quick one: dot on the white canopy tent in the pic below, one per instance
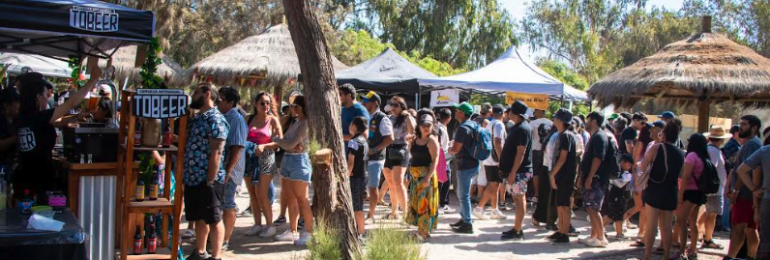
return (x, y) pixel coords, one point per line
(20, 63)
(510, 72)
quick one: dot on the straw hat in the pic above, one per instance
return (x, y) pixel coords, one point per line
(717, 132)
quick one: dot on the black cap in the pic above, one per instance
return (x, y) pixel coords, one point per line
(498, 109)
(348, 89)
(518, 108)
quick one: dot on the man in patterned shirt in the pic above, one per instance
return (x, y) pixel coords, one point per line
(204, 172)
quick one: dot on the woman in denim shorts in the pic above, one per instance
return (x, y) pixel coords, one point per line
(296, 173)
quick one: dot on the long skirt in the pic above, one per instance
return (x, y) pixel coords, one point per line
(423, 201)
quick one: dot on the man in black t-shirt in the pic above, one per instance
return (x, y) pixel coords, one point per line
(516, 165)
(562, 175)
(596, 159)
(629, 135)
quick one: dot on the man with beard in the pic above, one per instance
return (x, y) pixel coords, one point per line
(350, 109)
(380, 136)
(204, 172)
(744, 228)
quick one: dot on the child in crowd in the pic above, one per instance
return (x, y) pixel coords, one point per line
(616, 202)
(357, 151)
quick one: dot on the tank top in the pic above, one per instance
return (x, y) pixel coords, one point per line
(260, 135)
(420, 155)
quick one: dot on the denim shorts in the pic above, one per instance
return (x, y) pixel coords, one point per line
(296, 167)
(374, 170)
(228, 200)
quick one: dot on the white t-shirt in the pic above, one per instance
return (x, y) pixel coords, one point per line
(386, 126)
(548, 154)
(719, 162)
(536, 146)
(497, 130)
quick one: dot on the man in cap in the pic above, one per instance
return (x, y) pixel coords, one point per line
(468, 167)
(380, 136)
(562, 175)
(491, 170)
(350, 109)
(715, 202)
(516, 165)
(541, 126)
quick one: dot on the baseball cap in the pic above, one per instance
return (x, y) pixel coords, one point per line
(736, 128)
(564, 115)
(426, 119)
(518, 108)
(613, 116)
(659, 124)
(485, 108)
(667, 115)
(371, 96)
(498, 109)
(348, 89)
(465, 107)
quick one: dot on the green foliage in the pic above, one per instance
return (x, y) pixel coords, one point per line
(563, 73)
(481, 98)
(146, 166)
(74, 65)
(150, 66)
(389, 243)
(744, 21)
(325, 244)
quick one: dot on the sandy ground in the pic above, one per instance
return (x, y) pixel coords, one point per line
(485, 243)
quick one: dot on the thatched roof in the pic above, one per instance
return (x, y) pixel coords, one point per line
(123, 61)
(270, 53)
(705, 66)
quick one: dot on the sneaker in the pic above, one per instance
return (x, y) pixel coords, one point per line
(280, 220)
(254, 230)
(447, 209)
(246, 212)
(595, 243)
(692, 256)
(621, 237)
(561, 239)
(553, 236)
(303, 239)
(479, 214)
(516, 235)
(267, 232)
(197, 256)
(188, 234)
(497, 215)
(630, 225)
(212, 258)
(551, 227)
(512, 231)
(287, 236)
(573, 232)
(534, 199)
(465, 228)
(225, 246)
(457, 224)
(585, 241)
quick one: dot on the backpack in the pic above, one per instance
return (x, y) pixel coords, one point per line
(481, 147)
(709, 179)
(613, 155)
(544, 132)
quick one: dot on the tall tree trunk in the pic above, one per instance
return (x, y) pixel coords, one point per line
(332, 191)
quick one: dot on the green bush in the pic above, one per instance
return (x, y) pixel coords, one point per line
(324, 244)
(391, 243)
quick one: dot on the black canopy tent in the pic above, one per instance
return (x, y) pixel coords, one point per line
(388, 73)
(65, 28)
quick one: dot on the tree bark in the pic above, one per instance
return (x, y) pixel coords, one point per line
(332, 200)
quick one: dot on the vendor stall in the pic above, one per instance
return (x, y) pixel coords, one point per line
(387, 73)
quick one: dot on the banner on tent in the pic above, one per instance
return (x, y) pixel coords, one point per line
(534, 101)
(444, 98)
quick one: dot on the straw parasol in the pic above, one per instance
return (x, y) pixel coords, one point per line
(704, 69)
(268, 58)
(123, 61)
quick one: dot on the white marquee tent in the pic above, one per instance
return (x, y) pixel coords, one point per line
(49, 67)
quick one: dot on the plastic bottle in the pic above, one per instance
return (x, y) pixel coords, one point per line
(138, 241)
(139, 190)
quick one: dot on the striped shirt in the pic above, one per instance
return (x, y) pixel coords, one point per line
(236, 137)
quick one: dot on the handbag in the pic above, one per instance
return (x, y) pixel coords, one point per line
(644, 178)
(441, 167)
(396, 152)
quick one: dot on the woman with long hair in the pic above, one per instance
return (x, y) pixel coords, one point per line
(397, 155)
(263, 126)
(690, 197)
(647, 137)
(666, 160)
(422, 210)
(296, 173)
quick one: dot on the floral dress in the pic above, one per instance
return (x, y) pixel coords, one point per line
(422, 209)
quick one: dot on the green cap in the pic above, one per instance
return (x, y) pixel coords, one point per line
(613, 116)
(465, 107)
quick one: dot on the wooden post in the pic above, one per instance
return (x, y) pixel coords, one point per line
(323, 177)
(703, 115)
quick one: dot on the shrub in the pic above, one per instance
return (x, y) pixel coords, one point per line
(324, 244)
(391, 243)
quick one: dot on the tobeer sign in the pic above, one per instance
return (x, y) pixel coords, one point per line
(94, 19)
(159, 103)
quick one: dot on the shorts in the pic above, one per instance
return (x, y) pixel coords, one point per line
(481, 178)
(615, 203)
(390, 163)
(742, 212)
(563, 193)
(493, 174)
(695, 197)
(374, 171)
(519, 187)
(357, 193)
(203, 202)
(228, 200)
(264, 164)
(296, 167)
(715, 203)
(764, 236)
(593, 199)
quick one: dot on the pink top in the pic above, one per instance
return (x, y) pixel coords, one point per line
(697, 169)
(260, 135)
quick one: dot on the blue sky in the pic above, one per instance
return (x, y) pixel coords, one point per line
(517, 9)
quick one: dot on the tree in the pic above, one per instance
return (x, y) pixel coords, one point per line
(744, 21)
(322, 99)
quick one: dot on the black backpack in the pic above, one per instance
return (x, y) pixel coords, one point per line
(709, 179)
(613, 158)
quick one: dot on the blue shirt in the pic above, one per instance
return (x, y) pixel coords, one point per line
(209, 124)
(348, 113)
(236, 137)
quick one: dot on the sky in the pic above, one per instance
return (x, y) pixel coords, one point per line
(517, 9)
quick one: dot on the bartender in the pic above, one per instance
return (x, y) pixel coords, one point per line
(36, 133)
(9, 112)
(103, 110)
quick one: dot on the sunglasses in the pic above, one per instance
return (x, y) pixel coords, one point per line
(395, 105)
(264, 104)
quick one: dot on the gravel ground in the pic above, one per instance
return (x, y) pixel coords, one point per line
(445, 245)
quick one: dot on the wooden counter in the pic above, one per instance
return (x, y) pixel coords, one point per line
(77, 170)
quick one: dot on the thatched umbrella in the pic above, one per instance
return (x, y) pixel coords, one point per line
(704, 69)
(268, 58)
(124, 62)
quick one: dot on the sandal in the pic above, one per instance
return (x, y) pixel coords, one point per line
(659, 251)
(710, 244)
(637, 243)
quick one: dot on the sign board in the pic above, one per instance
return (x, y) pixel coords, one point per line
(444, 98)
(94, 19)
(534, 101)
(159, 103)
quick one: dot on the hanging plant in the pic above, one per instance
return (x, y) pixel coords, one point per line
(150, 66)
(74, 65)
